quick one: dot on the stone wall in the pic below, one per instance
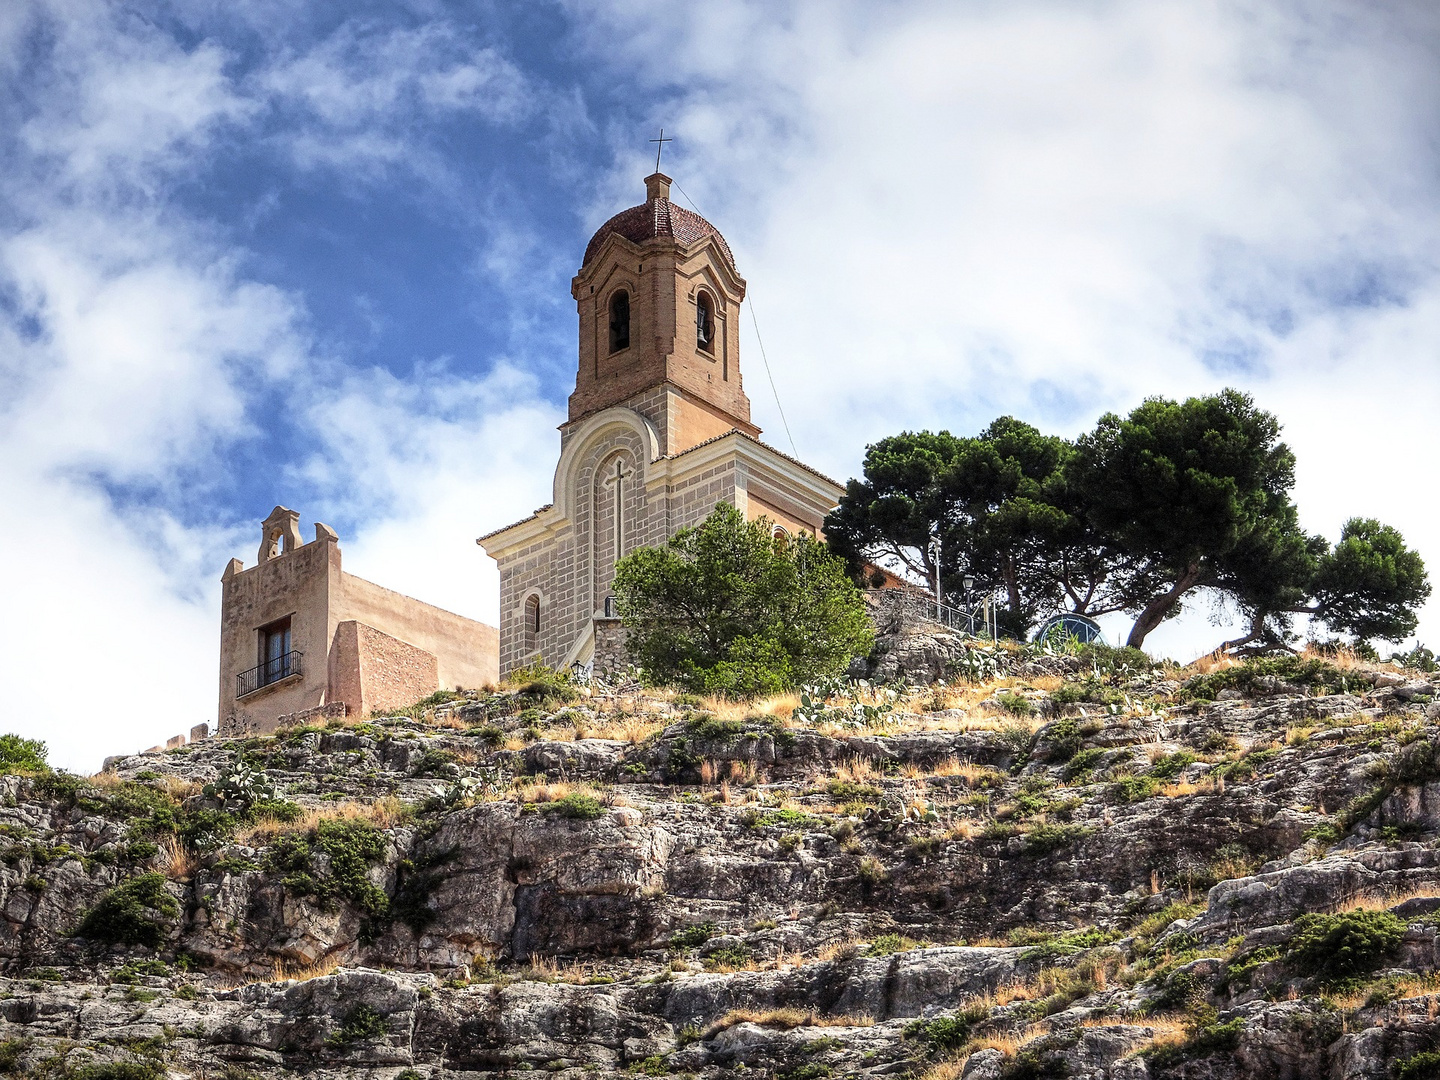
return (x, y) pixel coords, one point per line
(371, 670)
(570, 571)
(393, 649)
(610, 652)
(297, 584)
(466, 651)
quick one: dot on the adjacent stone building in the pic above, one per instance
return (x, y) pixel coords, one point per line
(301, 638)
(659, 432)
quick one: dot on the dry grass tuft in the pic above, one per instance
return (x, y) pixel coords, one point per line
(326, 965)
(630, 729)
(552, 791)
(785, 1019)
(950, 1069)
(1008, 1043)
(823, 955)
(383, 813)
(1382, 901)
(964, 829)
(1178, 789)
(1216, 661)
(180, 789)
(180, 862)
(857, 770)
(1165, 1030)
(548, 969)
(1341, 657)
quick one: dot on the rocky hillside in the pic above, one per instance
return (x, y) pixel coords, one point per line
(1074, 865)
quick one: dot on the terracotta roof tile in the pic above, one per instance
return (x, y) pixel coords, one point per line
(658, 218)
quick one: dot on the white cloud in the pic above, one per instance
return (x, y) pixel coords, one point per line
(429, 464)
(946, 211)
(135, 351)
(127, 345)
(367, 87)
(961, 210)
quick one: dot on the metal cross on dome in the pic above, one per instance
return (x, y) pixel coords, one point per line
(662, 140)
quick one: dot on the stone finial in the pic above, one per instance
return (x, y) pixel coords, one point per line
(325, 532)
(657, 186)
(282, 526)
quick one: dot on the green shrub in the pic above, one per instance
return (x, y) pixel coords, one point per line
(692, 937)
(351, 847)
(871, 872)
(132, 913)
(946, 1032)
(1070, 943)
(119, 1070)
(578, 806)
(1045, 838)
(1083, 762)
(1214, 1039)
(847, 791)
(1315, 673)
(1171, 765)
(1422, 1066)
(1063, 739)
(1090, 692)
(886, 944)
(11, 1050)
(543, 686)
(1247, 765)
(1131, 789)
(1123, 660)
(731, 956)
(1014, 703)
(363, 1024)
(724, 609)
(488, 734)
(1338, 947)
(19, 755)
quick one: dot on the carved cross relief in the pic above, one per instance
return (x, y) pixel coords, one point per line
(617, 481)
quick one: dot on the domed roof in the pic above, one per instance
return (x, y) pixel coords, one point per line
(656, 217)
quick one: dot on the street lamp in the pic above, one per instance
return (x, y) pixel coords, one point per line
(935, 558)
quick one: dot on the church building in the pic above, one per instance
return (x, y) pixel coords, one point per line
(659, 433)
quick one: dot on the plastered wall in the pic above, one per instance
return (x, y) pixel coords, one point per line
(361, 644)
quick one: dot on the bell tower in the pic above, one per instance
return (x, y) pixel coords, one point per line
(659, 300)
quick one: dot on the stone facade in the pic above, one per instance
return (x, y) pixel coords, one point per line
(659, 434)
(346, 644)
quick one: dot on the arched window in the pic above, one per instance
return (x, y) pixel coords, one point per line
(532, 614)
(780, 534)
(704, 322)
(620, 321)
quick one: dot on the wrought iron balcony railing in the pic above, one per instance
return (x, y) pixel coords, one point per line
(272, 671)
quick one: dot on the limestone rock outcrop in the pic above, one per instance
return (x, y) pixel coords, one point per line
(1060, 869)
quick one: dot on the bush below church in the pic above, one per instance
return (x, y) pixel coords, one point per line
(727, 608)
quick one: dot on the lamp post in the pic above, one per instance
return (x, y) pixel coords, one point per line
(935, 559)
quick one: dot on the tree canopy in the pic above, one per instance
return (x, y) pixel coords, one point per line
(727, 608)
(1134, 516)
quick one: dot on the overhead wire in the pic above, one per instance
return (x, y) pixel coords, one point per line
(765, 359)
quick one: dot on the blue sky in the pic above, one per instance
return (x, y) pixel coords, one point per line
(319, 254)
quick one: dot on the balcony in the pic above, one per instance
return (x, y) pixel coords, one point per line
(267, 674)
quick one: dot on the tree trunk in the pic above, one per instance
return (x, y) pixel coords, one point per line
(1257, 631)
(1153, 613)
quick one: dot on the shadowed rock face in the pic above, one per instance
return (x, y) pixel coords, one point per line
(1101, 888)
